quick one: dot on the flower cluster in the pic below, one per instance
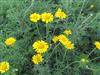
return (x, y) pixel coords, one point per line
(40, 47)
(4, 66)
(47, 17)
(64, 40)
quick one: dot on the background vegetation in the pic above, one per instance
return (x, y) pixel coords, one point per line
(84, 21)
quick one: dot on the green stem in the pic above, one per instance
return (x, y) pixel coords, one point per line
(90, 68)
(64, 56)
(80, 11)
(47, 31)
(87, 25)
(69, 65)
(95, 58)
(86, 19)
(91, 52)
(53, 50)
(38, 31)
(32, 2)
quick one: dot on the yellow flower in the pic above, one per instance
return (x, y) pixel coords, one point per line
(69, 45)
(36, 59)
(68, 32)
(47, 17)
(10, 41)
(34, 17)
(4, 66)
(97, 44)
(65, 41)
(55, 39)
(60, 14)
(62, 38)
(40, 46)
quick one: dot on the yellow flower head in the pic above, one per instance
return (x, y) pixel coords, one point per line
(4, 66)
(60, 14)
(55, 39)
(10, 41)
(36, 59)
(62, 38)
(69, 45)
(68, 32)
(97, 44)
(47, 17)
(34, 17)
(40, 46)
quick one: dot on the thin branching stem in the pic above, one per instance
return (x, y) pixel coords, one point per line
(70, 65)
(95, 58)
(91, 52)
(38, 31)
(54, 50)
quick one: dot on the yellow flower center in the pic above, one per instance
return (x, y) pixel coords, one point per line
(41, 46)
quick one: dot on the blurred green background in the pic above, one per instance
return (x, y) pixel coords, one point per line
(14, 21)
